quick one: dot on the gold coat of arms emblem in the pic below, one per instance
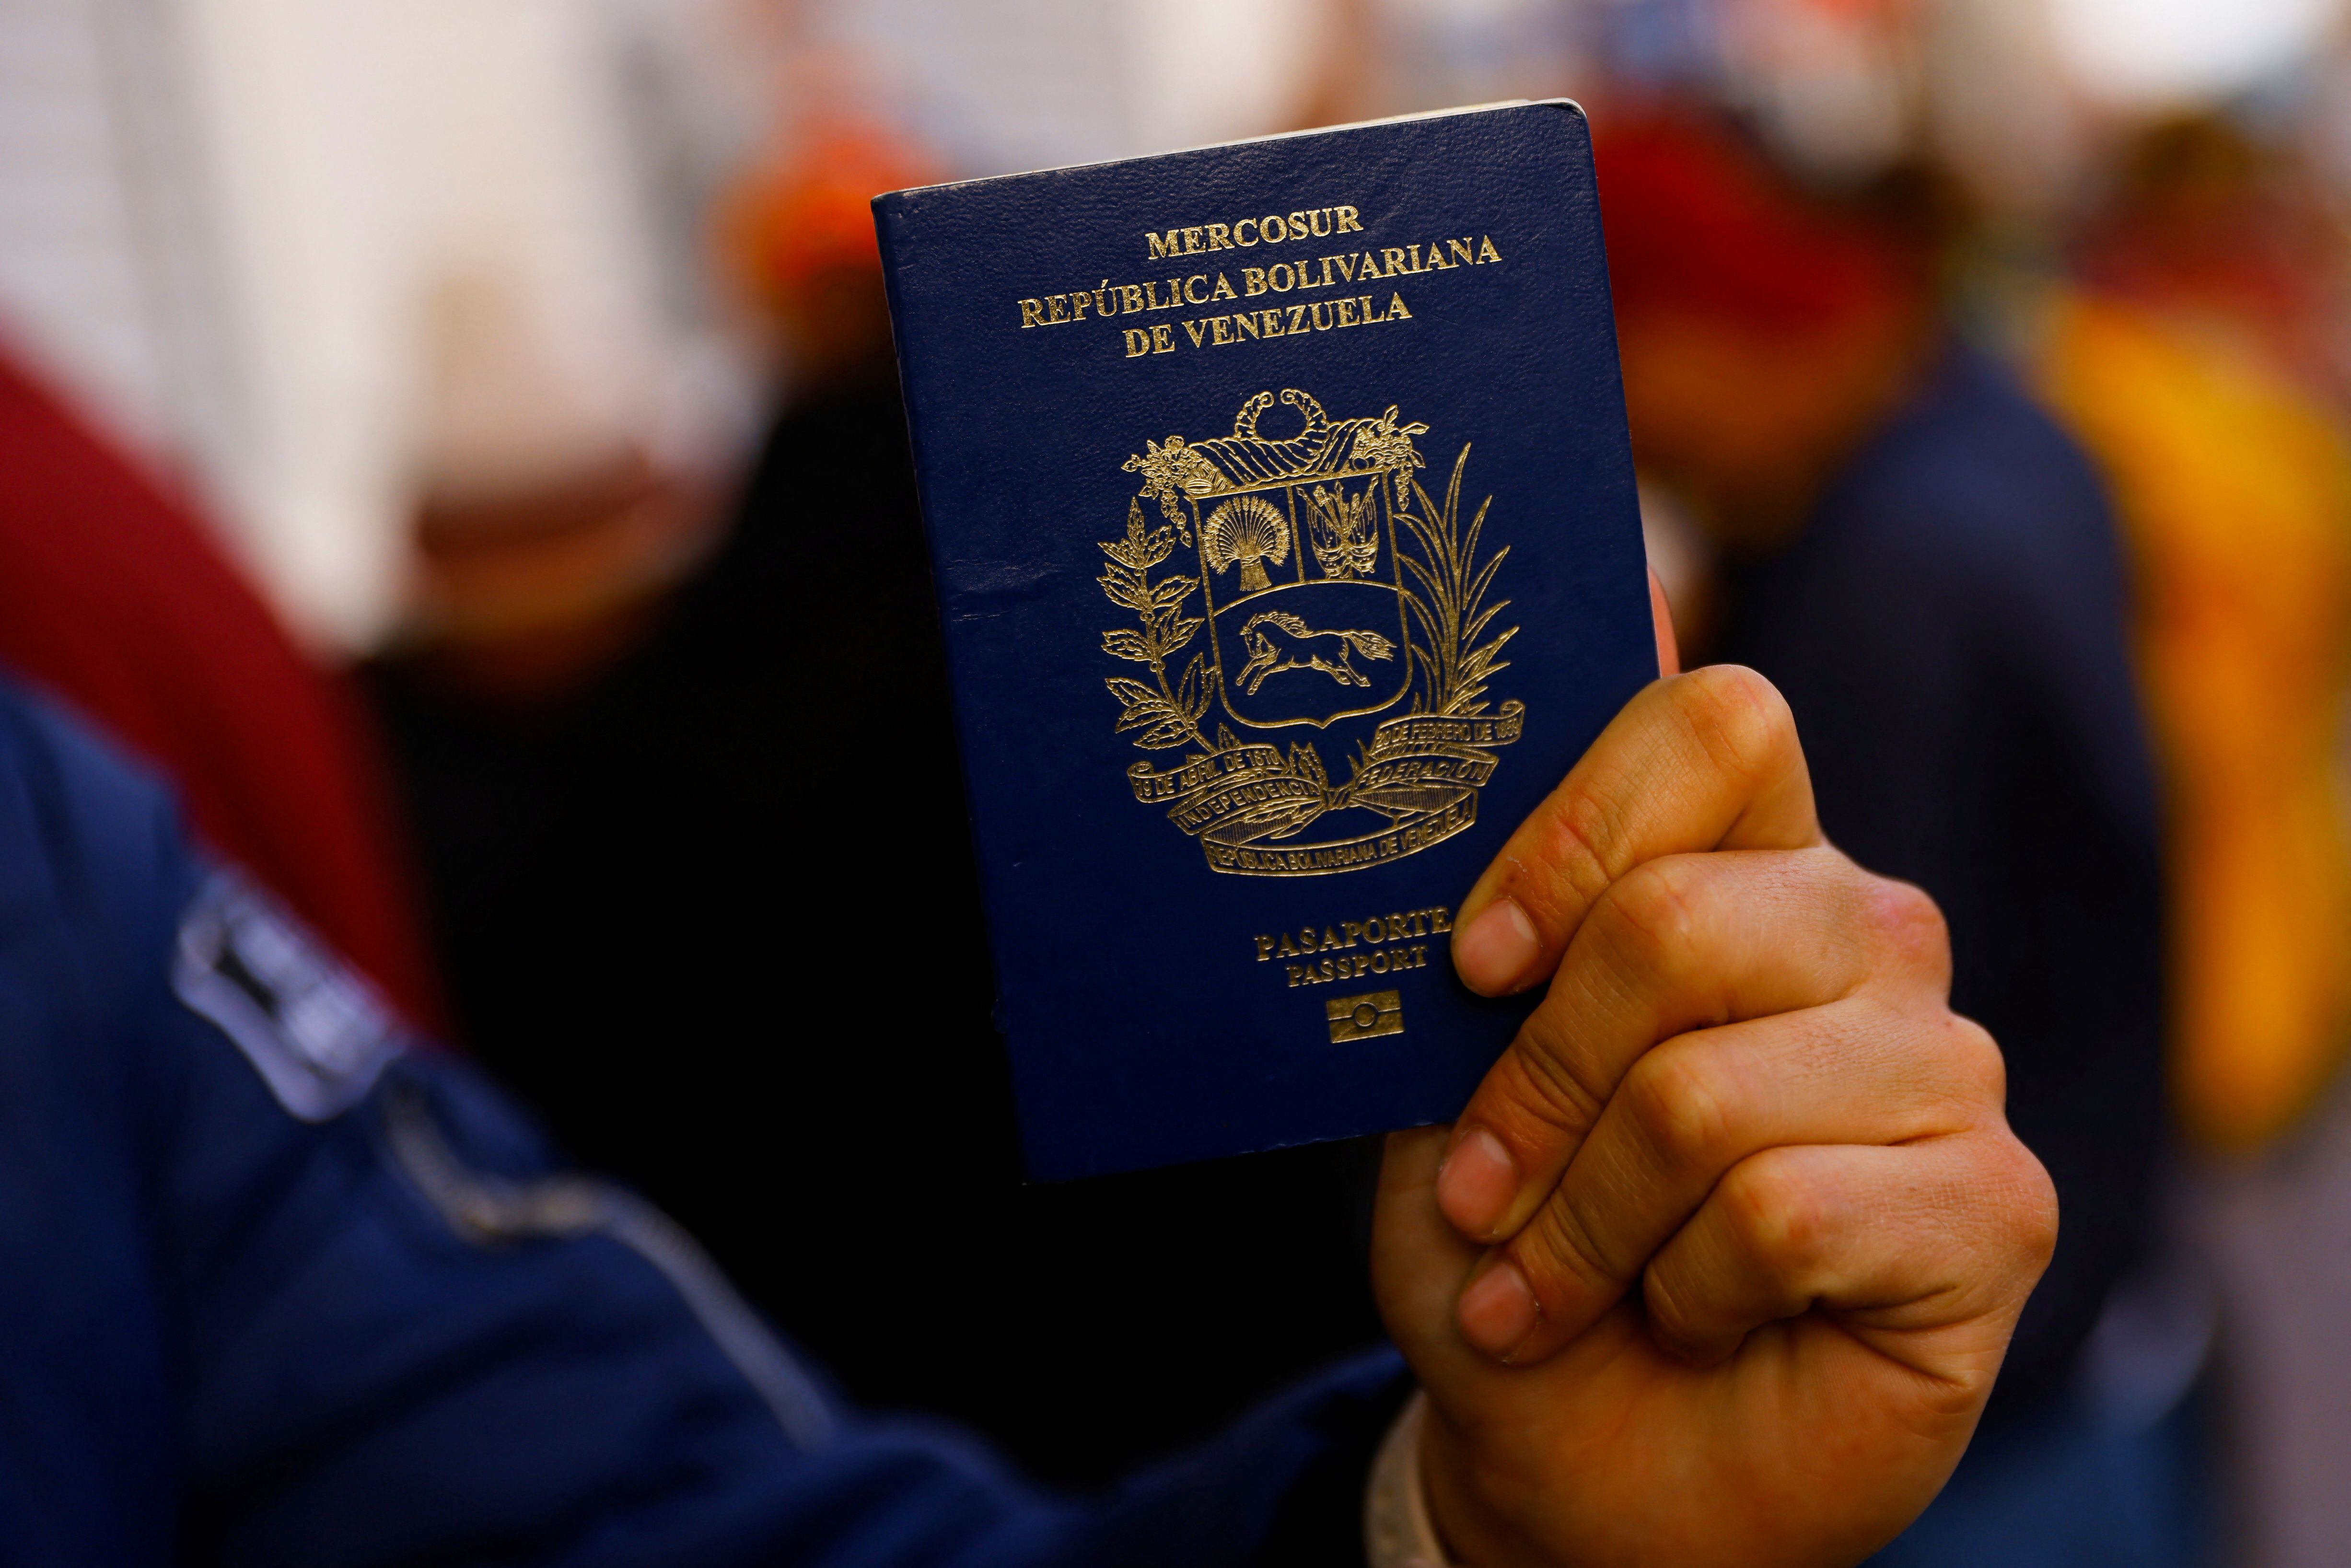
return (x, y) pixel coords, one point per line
(1299, 592)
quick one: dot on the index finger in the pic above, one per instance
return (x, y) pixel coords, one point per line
(1695, 763)
(1703, 761)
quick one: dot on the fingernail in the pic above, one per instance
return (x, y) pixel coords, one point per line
(1497, 1309)
(1475, 1184)
(1493, 953)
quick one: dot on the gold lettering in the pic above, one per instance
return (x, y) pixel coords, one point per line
(1138, 342)
(1245, 323)
(1374, 930)
(1440, 921)
(1297, 322)
(1391, 258)
(1253, 280)
(1331, 938)
(1369, 320)
(1370, 267)
(1272, 318)
(1191, 298)
(1397, 312)
(1298, 229)
(1486, 251)
(1379, 963)
(1297, 972)
(1151, 296)
(1130, 298)
(1264, 948)
(1244, 224)
(1079, 305)
(1057, 308)
(1274, 230)
(1220, 237)
(1196, 329)
(1321, 309)
(1420, 957)
(1223, 290)
(1321, 225)
(1171, 246)
(1347, 222)
(1306, 943)
(1102, 301)
(1193, 245)
(1033, 314)
(1437, 256)
(1163, 339)
(1221, 329)
(1286, 949)
(1462, 255)
(1280, 277)
(1349, 315)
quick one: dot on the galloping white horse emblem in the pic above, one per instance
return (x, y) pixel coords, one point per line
(1278, 640)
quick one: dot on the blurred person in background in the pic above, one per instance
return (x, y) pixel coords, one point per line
(1899, 538)
(2198, 351)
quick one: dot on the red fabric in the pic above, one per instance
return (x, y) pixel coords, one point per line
(113, 597)
(1697, 220)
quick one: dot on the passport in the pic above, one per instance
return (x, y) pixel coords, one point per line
(1282, 521)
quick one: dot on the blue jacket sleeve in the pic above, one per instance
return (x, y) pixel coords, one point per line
(279, 1289)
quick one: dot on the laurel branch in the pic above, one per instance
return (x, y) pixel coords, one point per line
(1450, 609)
(1169, 716)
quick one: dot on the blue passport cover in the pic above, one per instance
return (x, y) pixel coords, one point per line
(1284, 525)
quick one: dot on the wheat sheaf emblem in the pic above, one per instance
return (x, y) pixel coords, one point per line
(1307, 582)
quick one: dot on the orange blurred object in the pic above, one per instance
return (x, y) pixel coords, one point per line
(2233, 489)
(808, 209)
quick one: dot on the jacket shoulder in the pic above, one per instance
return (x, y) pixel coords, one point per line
(89, 842)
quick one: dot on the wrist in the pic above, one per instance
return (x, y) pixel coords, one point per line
(1470, 1526)
(1397, 1530)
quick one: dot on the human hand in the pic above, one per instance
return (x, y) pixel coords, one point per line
(1720, 1261)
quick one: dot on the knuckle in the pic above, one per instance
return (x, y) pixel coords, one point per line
(1738, 718)
(1976, 1057)
(1775, 1210)
(1654, 910)
(2035, 1207)
(1667, 1296)
(1560, 1257)
(1539, 1081)
(1571, 859)
(1680, 1106)
(1909, 925)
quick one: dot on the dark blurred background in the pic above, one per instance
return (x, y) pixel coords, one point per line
(516, 372)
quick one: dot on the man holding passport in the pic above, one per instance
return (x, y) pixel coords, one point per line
(1717, 1267)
